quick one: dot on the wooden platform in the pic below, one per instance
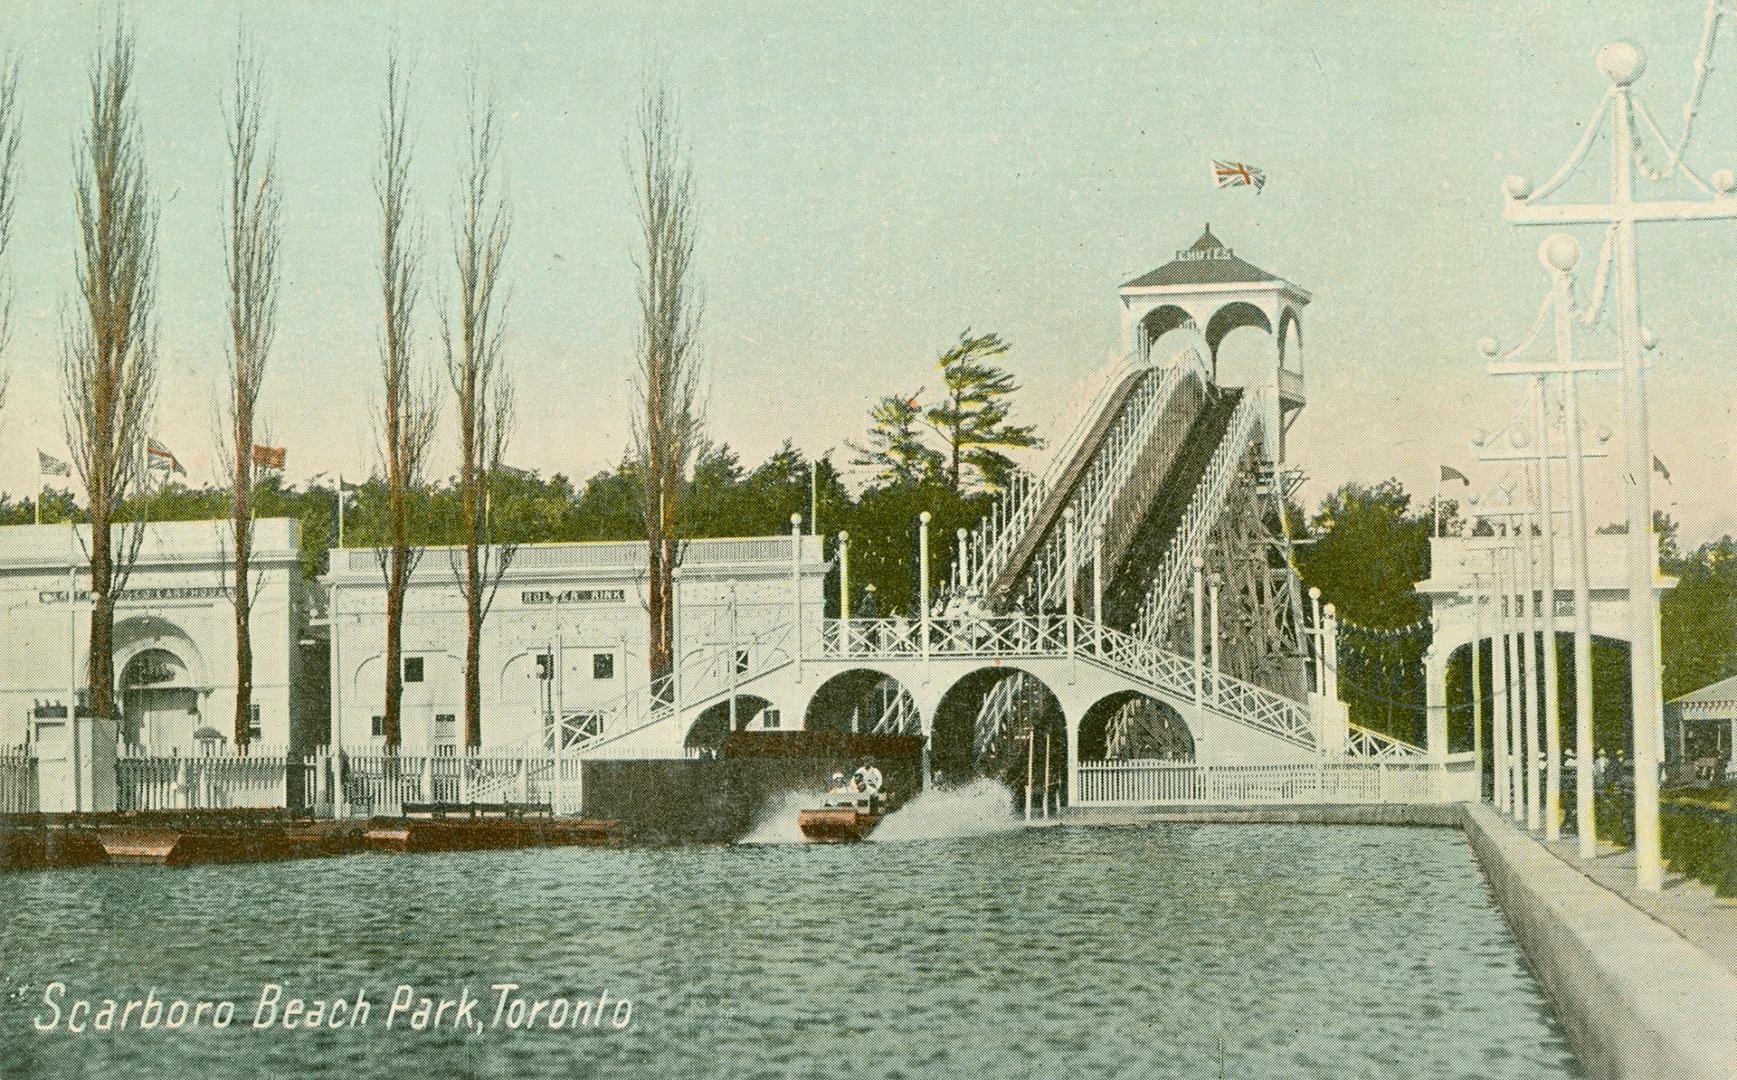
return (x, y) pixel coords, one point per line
(485, 826)
(191, 837)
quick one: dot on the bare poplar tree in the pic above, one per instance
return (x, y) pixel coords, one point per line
(9, 139)
(406, 420)
(109, 348)
(250, 250)
(667, 425)
(481, 383)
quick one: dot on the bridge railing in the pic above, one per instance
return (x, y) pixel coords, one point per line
(1203, 509)
(1092, 494)
(1335, 781)
(1056, 636)
(1155, 411)
(1364, 742)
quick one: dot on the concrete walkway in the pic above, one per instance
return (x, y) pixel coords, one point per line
(1687, 907)
(1637, 997)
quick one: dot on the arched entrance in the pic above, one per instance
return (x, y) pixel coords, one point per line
(1612, 733)
(863, 701)
(707, 732)
(996, 722)
(159, 704)
(1133, 726)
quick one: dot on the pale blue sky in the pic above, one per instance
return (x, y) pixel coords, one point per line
(874, 179)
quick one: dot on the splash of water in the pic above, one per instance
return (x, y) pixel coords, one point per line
(776, 821)
(975, 809)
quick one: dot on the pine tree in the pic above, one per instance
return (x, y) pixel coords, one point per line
(895, 449)
(973, 418)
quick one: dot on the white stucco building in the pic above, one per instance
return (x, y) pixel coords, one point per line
(567, 630)
(174, 636)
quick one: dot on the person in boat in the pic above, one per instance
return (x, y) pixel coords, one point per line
(867, 780)
(838, 786)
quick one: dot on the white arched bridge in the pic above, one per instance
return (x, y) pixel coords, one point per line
(1135, 606)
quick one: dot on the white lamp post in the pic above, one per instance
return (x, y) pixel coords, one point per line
(1622, 63)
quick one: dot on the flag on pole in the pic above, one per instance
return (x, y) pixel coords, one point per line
(161, 458)
(1448, 472)
(49, 465)
(345, 485)
(269, 457)
(1659, 467)
(516, 474)
(1237, 174)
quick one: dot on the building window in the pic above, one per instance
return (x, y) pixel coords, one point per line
(545, 666)
(253, 728)
(378, 727)
(741, 661)
(413, 669)
(769, 718)
(603, 665)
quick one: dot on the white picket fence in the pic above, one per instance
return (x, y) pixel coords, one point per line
(324, 783)
(260, 778)
(1159, 783)
(364, 784)
(19, 792)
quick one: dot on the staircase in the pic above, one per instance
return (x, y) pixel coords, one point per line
(1125, 591)
(1114, 459)
(1189, 534)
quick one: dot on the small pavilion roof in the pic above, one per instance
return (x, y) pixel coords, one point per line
(1206, 262)
(1716, 701)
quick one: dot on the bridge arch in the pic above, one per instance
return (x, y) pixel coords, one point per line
(981, 722)
(1129, 724)
(1611, 730)
(860, 700)
(708, 728)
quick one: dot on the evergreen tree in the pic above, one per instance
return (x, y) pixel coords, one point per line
(895, 449)
(973, 417)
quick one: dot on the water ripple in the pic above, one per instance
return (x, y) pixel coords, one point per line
(1177, 950)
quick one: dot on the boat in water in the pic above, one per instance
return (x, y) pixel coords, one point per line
(843, 817)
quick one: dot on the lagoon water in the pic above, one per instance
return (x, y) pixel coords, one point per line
(1157, 951)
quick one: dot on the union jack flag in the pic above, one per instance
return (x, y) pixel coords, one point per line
(1237, 174)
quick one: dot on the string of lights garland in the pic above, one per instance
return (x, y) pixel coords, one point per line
(1691, 107)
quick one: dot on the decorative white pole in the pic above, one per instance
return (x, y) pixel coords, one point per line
(962, 565)
(735, 665)
(1531, 795)
(1562, 252)
(1070, 570)
(1552, 674)
(1213, 635)
(1318, 639)
(1331, 628)
(796, 589)
(844, 592)
(1199, 635)
(1516, 697)
(675, 592)
(1478, 686)
(1098, 589)
(1622, 64)
(923, 586)
(1498, 686)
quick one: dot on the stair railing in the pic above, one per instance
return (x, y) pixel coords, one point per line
(1189, 541)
